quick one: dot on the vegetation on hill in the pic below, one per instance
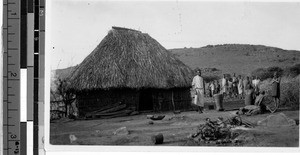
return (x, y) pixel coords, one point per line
(265, 73)
(237, 58)
(65, 72)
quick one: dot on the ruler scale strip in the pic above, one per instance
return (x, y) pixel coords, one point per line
(36, 80)
(30, 70)
(23, 79)
(41, 75)
(11, 79)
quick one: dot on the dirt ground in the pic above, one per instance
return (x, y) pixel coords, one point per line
(175, 129)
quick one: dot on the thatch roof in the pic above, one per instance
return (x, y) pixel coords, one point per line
(130, 59)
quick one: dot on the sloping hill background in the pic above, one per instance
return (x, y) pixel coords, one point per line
(237, 58)
(60, 74)
(227, 59)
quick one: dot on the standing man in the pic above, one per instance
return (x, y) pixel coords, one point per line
(235, 85)
(198, 86)
(256, 85)
(229, 88)
(245, 84)
(252, 80)
(224, 84)
(276, 90)
(212, 88)
(240, 87)
(217, 89)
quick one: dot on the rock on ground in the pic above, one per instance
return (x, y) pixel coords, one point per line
(277, 121)
(121, 131)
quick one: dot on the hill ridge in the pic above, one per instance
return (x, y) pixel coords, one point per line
(236, 58)
(244, 58)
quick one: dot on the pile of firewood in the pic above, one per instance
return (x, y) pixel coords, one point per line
(219, 131)
(111, 111)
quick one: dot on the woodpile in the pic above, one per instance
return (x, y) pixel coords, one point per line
(219, 131)
(112, 111)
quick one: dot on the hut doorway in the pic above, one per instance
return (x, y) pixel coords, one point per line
(145, 100)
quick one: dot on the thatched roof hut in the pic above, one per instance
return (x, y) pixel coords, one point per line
(128, 58)
(130, 66)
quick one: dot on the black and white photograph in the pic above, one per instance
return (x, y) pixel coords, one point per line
(174, 73)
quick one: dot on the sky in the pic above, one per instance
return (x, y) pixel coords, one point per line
(78, 26)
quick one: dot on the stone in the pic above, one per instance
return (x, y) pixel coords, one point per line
(121, 131)
(72, 138)
(157, 139)
(278, 120)
(149, 116)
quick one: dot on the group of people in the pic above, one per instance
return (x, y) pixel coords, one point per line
(234, 86)
(237, 86)
(231, 87)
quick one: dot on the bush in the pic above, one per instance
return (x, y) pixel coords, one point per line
(209, 46)
(289, 91)
(265, 73)
(272, 70)
(262, 73)
(292, 71)
(210, 78)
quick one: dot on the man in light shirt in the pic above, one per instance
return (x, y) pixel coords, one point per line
(198, 86)
(256, 82)
(212, 88)
(224, 84)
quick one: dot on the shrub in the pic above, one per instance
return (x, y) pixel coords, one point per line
(272, 70)
(289, 91)
(265, 73)
(214, 69)
(262, 73)
(292, 71)
(210, 78)
(209, 46)
(247, 54)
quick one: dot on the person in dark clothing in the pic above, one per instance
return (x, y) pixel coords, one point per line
(276, 89)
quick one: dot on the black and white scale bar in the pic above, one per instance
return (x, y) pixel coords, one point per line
(23, 78)
(36, 80)
(30, 72)
(23, 56)
(23, 140)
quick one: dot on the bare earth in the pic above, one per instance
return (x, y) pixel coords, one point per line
(175, 129)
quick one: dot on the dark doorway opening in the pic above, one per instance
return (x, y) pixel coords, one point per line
(145, 101)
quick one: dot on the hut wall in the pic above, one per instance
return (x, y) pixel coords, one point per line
(181, 98)
(162, 99)
(94, 100)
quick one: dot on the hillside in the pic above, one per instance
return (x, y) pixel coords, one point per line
(228, 58)
(60, 73)
(236, 58)
(63, 73)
